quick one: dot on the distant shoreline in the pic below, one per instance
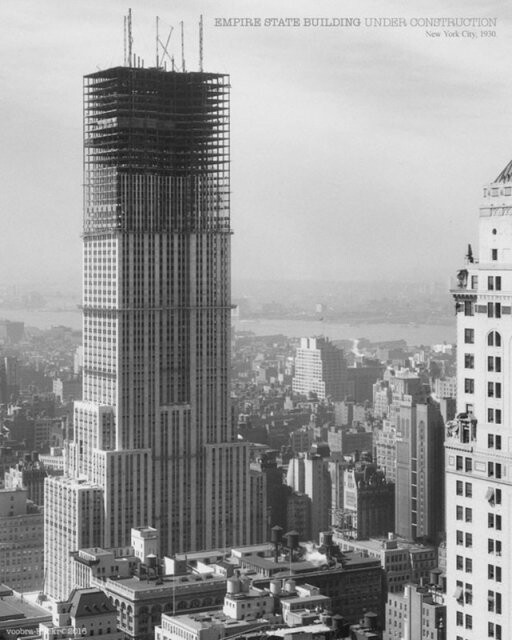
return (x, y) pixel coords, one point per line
(44, 318)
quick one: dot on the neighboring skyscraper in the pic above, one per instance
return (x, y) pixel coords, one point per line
(419, 471)
(320, 368)
(478, 444)
(409, 448)
(276, 491)
(9, 378)
(368, 502)
(298, 514)
(153, 436)
(445, 387)
(360, 379)
(385, 449)
(309, 474)
(419, 612)
(258, 525)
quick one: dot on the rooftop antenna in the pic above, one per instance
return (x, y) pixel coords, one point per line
(124, 40)
(130, 39)
(201, 42)
(182, 47)
(157, 40)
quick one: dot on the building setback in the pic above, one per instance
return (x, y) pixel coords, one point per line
(154, 431)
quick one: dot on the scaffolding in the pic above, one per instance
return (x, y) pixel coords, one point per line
(156, 151)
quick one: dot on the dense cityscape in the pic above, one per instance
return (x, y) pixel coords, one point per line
(328, 463)
(170, 470)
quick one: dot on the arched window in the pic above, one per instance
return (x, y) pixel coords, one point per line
(494, 339)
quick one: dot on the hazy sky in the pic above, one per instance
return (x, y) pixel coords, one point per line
(357, 153)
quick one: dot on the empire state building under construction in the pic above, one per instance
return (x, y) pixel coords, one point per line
(153, 441)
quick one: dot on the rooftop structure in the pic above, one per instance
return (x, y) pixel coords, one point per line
(19, 615)
(402, 560)
(246, 581)
(88, 612)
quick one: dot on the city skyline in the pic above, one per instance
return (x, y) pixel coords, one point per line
(175, 435)
(352, 128)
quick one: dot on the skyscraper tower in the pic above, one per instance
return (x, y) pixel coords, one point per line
(478, 443)
(153, 440)
(320, 368)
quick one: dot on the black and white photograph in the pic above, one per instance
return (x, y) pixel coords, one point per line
(255, 320)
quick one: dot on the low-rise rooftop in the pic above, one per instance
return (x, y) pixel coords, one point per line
(18, 610)
(134, 587)
(308, 629)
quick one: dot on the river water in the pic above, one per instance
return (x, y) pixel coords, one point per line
(413, 334)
